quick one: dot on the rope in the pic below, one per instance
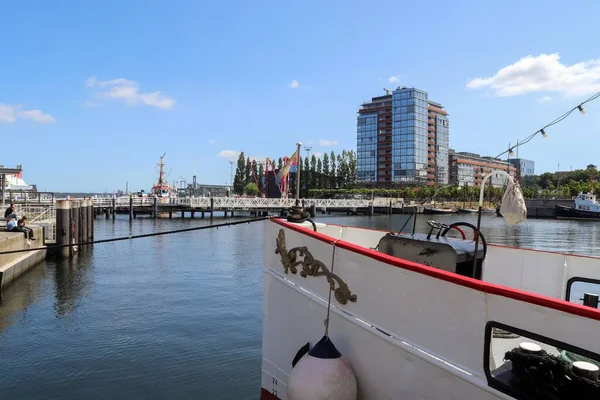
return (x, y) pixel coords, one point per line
(331, 286)
(198, 228)
(298, 215)
(549, 376)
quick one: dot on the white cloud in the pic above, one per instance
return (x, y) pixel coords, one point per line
(295, 84)
(10, 113)
(228, 154)
(543, 73)
(7, 113)
(324, 143)
(128, 91)
(394, 79)
(212, 141)
(545, 99)
(37, 116)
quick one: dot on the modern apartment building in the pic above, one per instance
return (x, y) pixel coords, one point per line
(402, 139)
(468, 169)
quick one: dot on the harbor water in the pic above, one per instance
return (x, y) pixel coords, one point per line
(175, 316)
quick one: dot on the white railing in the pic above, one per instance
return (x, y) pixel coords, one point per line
(245, 202)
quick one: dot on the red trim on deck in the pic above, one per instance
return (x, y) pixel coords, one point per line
(489, 244)
(486, 287)
(266, 395)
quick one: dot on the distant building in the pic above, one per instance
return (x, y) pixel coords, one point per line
(200, 190)
(524, 167)
(402, 138)
(468, 169)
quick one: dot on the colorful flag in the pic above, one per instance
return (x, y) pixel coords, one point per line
(293, 160)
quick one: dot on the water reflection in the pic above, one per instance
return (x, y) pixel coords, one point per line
(71, 280)
(20, 295)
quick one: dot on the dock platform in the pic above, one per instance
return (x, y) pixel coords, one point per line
(13, 265)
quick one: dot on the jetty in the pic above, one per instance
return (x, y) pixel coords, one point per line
(156, 206)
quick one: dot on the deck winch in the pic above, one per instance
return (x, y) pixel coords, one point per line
(437, 250)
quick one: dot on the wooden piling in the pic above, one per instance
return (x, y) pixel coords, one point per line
(131, 207)
(90, 232)
(114, 207)
(313, 210)
(155, 213)
(83, 212)
(212, 207)
(75, 225)
(63, 226)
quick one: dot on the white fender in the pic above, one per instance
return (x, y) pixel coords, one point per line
(322, 374)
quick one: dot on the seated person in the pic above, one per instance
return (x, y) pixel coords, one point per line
(13, 226)
(10, 210)
(26, 230)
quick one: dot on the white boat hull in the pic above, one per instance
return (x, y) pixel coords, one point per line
(414, 332)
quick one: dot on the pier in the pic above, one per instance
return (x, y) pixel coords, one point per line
(155, 206)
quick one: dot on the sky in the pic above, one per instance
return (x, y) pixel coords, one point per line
(92, 93)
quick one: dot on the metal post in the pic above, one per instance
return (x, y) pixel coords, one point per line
(83, 212)
(63, 226)
(130, 207)
(114, 207)
(155, 213)
(212, 207)
(75, 225)
(90, 225)
(298, 168)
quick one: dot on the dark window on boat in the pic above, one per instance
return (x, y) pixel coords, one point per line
(584, 291)
(528, 366)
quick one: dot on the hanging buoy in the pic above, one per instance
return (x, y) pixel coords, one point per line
(322, 374)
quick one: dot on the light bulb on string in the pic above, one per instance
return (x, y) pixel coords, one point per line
(581, 110)
(543, 133)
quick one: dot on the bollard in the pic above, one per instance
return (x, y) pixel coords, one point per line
(83, 212)
(63, 226)
(75, 205)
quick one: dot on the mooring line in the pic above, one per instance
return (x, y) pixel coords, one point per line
(130, 237)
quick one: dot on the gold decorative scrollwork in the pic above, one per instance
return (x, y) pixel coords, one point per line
(300, 256)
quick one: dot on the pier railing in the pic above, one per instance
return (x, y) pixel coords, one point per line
(244, 203)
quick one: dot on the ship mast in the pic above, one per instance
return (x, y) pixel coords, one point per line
(160, 174)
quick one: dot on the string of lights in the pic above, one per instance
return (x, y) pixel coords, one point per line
(542, 130)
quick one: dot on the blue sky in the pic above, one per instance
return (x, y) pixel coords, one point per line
(92, 93)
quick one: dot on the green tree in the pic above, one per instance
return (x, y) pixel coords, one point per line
(240, 173)
(261, 177)
(325, 176)
(248, 172)
(280, 163)
(313, 172)
(332, 171)
(319, 175)
(251, 189)
(305, 176)
(351, 169)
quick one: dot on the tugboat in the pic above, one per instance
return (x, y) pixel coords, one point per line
(161, 188)
(586, 207)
